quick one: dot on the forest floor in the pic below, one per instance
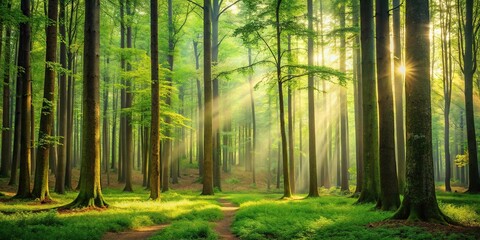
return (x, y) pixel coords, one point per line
(241, 211)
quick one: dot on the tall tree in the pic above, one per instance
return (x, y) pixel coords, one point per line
(155, 121)
(389, 196)
(90, 194)
(469, 68)
(23, 75)
(419, 202)
(357, 84)
(447, 79)
(312, 153)
(343, 105)
(208, 111)
(398, 92)
(6, 121)
(128, 104)
(40, 187)
(370, 187)
(60, 176)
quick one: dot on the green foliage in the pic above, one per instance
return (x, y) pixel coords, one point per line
(461, 160)
(196, 229)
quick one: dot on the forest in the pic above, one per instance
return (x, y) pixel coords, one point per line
(239, 119)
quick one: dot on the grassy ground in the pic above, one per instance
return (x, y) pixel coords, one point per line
(127, 211)
(261, 215)
(337, 217)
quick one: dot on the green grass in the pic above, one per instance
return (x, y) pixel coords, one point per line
(126, 211)
(196, 229)
(336, 217)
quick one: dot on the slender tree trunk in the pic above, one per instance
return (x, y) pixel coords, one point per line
(358, 101)
(312, 151)
(62, 121)
(216, 97)
(24, 76)
(287, 192)
(208, 111)
(370, 187)
(291, 148)
(6, 121)
(155, 119)
(343, 106)
(389, 195)
(40, 187)
(129, 153)
(469, 69)
(398, 92)
(254, 122)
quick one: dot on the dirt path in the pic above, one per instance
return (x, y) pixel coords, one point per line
(222, 227)
(140, 233)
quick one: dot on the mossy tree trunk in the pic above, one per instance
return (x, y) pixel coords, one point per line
(419, 202)
(370, 187)
(90, 194)
(40, 187)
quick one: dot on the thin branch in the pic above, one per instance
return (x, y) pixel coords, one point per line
(196, 4)
(268, 46)
(227, 7)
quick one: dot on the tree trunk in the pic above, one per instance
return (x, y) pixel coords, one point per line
(208, 112)
(155, 119)
(129, 153)
(370, 187)
(469, 69)
(216, 98)
(398, 92)
(6, 121)
(291, 148)
(24, 76)
(40, 187)
(419, 202)
(254, 123)
(90, 194)
(62, 121)
(343, 105)
(312, 152)
(389, 195)
(287, 192)
(358, 101)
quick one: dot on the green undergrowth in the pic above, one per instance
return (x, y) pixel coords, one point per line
(337, 217)
(126, 211)
(196, 229)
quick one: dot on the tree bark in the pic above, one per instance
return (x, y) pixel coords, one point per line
(419, 202)
(155, 119)
(90, 194)
(399, 92)
(312, 152)
(6, 121)
(208, 111)
(389, 195)
(40, 187)
(24, 76)
(370, 187)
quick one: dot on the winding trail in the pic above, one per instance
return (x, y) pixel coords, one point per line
(222, 227)
(140, 233)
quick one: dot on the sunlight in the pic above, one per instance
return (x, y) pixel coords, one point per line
(402, 69)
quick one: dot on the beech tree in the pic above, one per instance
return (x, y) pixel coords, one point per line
(419, 202)
(90, 194)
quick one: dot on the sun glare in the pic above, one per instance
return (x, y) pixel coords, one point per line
(402, 69)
